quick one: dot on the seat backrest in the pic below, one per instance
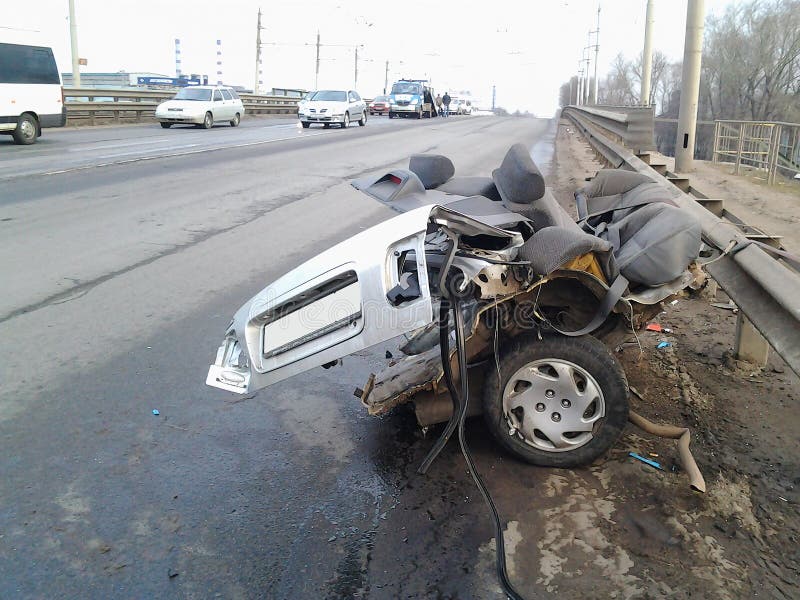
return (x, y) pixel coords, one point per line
(654, 244)
(544, 212)
(471, 186)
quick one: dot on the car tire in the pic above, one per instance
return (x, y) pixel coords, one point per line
(166, 125)
(346, 121)
(391, 115)
(363, 120)
(557, 401)
(27, 130)
(236, 120)
(208, 121)
(326, 125)
(305, 124)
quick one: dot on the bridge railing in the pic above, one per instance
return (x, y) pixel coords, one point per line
(768, 145)
(94, 106)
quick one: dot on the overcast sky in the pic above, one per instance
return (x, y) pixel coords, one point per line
(525, 48)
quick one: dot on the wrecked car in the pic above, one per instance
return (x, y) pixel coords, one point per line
(491, 269)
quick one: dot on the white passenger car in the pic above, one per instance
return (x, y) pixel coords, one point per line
(333, 106)
(31, 96)
(201, 105)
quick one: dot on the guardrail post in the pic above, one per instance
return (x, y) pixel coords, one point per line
(750, 344)
(714, 152)
(775, 144)
(739, 147)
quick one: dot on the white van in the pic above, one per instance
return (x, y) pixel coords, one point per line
(31, 96)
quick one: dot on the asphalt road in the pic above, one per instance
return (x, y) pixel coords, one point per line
(123, 254)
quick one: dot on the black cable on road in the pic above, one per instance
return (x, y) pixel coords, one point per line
(502, 572)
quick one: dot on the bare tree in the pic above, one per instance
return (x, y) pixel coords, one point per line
(752, 62)
(618, 87)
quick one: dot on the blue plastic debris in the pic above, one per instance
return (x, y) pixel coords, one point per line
(663, 345)
(646, 461)
(155, 412)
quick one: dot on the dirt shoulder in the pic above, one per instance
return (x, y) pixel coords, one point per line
(775, 209)
(622, 529)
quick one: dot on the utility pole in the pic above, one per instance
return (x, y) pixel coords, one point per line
(690, 86)
(588, 50)
(494, 96)
(386, 78)
(258, 53)
(355, 76)
(316, 72)
(73, 38)
(596, 52)
(647, 53)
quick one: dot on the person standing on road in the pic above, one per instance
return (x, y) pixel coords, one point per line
(446, 102)
(439, 104)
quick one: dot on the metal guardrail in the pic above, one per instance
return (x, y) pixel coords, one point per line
(768, 145)
(95, 106)
(631, 125)
(766, 290)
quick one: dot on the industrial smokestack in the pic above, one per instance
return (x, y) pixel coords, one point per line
(177, 58)
(219, 62)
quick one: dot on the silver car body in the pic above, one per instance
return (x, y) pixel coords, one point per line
(336, 303)
(223, 104)
(314, 110)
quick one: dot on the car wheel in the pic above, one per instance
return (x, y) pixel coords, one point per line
(208, 121)
(305, 124)
(556, 402)
(391, 115)
(363, 120)
(166, 125)
(326, 125)
(346, 121)
(26, 131)
(236, 119)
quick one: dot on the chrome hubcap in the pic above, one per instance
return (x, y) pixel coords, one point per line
(27, 129)
(553, 405)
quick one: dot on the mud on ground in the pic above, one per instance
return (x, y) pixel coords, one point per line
(622, 529)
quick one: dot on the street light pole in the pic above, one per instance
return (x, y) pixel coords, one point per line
(386, 78)
(647, 54)
(73, 39)
(355, 76)
(690, 86)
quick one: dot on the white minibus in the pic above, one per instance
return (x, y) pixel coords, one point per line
(31, 96)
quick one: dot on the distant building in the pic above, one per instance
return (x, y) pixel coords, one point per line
(121, 79)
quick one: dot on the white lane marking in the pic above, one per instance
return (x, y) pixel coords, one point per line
(201, 150)
(170, 148)
(86, 148)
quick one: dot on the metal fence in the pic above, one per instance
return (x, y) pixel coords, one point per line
(770, 146)
(96, 106)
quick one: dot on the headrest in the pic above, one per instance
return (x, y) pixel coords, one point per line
(432, 169)
(518, 179)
